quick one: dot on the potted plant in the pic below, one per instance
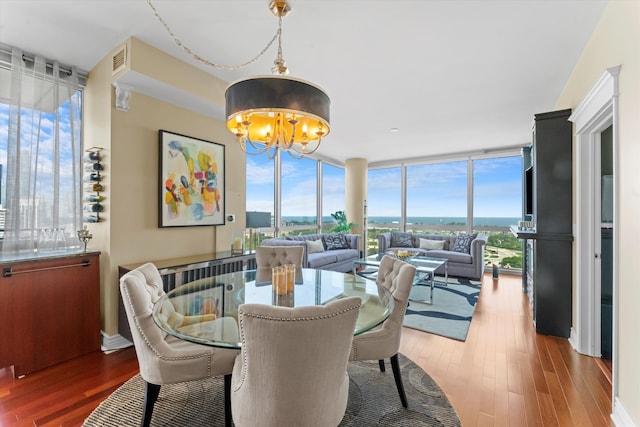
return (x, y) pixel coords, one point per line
(342, 225)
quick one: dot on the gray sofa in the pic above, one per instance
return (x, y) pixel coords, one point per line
(335, 260)
(460, 264)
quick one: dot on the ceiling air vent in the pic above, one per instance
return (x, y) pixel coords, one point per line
(120, 59)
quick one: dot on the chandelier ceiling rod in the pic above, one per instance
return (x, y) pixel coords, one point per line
(202, 59)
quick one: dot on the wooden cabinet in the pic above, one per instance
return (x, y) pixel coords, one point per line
(50, 310)
(551, 254)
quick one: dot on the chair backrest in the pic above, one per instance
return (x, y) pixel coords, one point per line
(268, 257)
(140, 289)
(164, 359)
(292, 369)
(397, 276)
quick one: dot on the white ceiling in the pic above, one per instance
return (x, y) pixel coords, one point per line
(453, 76)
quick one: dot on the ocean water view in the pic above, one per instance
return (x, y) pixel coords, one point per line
(446, 220)
(417, 220)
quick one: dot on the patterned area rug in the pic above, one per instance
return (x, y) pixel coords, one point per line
(452, 309)
(373, 401)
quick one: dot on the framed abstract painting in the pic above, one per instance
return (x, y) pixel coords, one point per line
(191, 181)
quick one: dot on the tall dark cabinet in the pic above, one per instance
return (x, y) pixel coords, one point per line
(548, 278)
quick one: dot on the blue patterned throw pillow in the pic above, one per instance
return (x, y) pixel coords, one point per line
(401, 240)
(463, 243)
(335, 241)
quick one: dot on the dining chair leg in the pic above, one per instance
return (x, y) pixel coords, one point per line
(227, 400)
(151, 392)
(396, 374)
(381, 363)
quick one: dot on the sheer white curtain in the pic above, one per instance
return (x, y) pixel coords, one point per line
(42, 115)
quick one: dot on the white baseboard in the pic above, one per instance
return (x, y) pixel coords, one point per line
(620, 417)
(573, 340)
(111, 343)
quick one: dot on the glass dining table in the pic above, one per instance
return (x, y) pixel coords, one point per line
(205, 311)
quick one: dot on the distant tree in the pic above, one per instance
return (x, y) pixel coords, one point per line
(512, 262)
(504, 240)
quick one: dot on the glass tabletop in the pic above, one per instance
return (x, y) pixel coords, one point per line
(428, 262)
(205, 311)
(423, 263)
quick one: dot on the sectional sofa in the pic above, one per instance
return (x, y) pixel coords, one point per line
(327, 251)
(465, 252)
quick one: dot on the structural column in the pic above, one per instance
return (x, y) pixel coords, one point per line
(355, 194)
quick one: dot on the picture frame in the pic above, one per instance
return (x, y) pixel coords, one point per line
(191, 181)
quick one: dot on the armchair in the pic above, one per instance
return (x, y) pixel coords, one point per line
(384, 340)
(292, 369)
(164, 359)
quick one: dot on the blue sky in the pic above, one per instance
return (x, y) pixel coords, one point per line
(37, 131)
(432, 190)
(298, 186)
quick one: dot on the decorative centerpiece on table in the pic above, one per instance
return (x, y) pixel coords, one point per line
(402, 254)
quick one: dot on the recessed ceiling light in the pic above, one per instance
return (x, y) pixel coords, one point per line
(394, 130)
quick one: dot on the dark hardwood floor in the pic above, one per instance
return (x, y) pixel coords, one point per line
(65, 394)
(504, 374)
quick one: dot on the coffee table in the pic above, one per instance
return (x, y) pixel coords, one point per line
(425, 270)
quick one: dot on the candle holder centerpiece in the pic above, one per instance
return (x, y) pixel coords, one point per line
(84, 236)
(237, 242)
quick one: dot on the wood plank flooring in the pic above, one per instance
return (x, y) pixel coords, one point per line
(63, 395)
(504, 374)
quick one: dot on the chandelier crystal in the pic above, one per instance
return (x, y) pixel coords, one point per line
(277, 112)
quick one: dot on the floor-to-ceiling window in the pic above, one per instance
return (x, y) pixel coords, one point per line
(384, 204)
(476, 194)
(332, 194)
(40, 153)
(260, 185)
(479, 195)
(437, 198)
(497, 205)
(298, 202)
(296, 192)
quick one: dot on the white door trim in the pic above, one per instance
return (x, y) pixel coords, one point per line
(598, 111)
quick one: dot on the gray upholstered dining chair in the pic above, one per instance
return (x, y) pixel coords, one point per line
(268, 257)
(164, 359)
(384, 341)
(292, 369)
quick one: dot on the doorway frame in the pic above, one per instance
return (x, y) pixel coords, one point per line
(596, 112)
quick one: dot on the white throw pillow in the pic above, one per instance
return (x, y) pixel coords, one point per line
(431, 244)
(315, 246)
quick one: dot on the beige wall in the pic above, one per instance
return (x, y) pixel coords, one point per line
(97, 133)
(616, 41)
(355, 177)
(166, 68)
(130, 232)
